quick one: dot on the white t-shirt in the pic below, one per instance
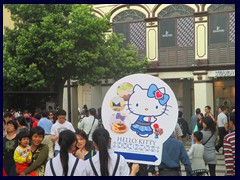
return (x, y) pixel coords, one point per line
(221, 119)
(57, 166)
(122, 170)
(86, 125)
(57, 128)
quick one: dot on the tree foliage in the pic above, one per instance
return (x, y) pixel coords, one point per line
(51, 43)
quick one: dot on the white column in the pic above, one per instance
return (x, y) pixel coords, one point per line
(152, 39)
(203, 91)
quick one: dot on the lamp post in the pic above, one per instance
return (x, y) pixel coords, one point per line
(69, 100)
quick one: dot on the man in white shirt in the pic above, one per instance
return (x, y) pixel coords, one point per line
(222, 127)
(60, 125)
(89, 124)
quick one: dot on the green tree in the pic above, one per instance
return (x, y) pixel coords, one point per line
(51, 43)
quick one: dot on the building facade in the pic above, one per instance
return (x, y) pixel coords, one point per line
(190, 46)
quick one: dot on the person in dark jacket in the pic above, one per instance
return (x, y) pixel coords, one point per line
(184, 126)
(172, 154)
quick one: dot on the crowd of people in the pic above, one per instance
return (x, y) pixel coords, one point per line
(46, 144)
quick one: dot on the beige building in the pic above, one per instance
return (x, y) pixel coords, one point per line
(190, 46)
(7, 19)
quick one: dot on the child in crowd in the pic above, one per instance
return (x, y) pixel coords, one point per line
(22, 154)
(196, 152)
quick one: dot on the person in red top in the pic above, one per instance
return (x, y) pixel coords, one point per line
(4, 172)
(229, 148)
(37, 117)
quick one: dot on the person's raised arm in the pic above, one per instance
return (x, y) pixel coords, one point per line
(135, 169)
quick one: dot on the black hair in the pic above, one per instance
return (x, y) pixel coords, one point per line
(22, 121)
(61, 112)
(93, 112)
(208, 107)
(232, 117)
(66, 139)
(83, 134)
(101, 137)
(14, 123)
(201, 114)
(198, 111)
(198, 135)
(210, 124)
(23, 134)
(180, 114)
(49, 112)
(7, 114)
(38, 116)
(223, 108)
(44, 113)
(85, 107)
(37, 130)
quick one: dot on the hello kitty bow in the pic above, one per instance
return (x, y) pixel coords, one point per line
(159, 94)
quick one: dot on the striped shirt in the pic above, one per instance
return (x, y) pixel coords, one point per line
(229, 153)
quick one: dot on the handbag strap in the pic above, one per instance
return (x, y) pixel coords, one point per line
(91, 126)
(208, 138)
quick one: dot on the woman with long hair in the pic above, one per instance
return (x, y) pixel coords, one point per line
(106, 162)
(199, 125)
(83, 150)
(209, 141)
(65, 163)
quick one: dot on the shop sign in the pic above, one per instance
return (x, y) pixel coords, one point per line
(218, 29)
(224, 73)
(167, 34)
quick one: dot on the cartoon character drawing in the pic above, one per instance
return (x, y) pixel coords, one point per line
(124, 90)
(117, 103)
(147, 104)
(119, 122)
(157, 131)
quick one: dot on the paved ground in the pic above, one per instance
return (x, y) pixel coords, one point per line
(220, 168)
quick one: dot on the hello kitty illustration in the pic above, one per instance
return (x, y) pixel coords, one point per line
(147, 104)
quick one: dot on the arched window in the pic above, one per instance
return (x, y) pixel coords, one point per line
(174, 29)
(131, 23)
(221, 26)
(222, 23)
(176, 11)
(221, 7)
(176, 36)
(129, 16)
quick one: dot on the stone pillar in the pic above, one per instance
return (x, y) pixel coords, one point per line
(203, 85)
(187, 100)
(201, 38)
(152, 40)
(203, 90)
